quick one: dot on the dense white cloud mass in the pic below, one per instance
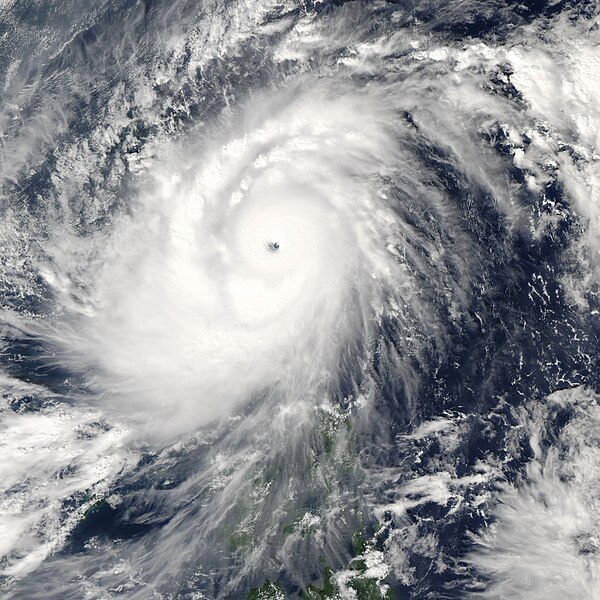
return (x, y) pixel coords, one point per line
(299, 294)
(544, 542)
(246, 266)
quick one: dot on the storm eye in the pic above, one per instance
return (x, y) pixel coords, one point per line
(273, 246)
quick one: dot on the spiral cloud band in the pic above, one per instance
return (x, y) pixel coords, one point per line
(237, 272)
(299, 300)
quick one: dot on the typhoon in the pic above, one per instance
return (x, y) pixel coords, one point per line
(299, 300)
(247, 269)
